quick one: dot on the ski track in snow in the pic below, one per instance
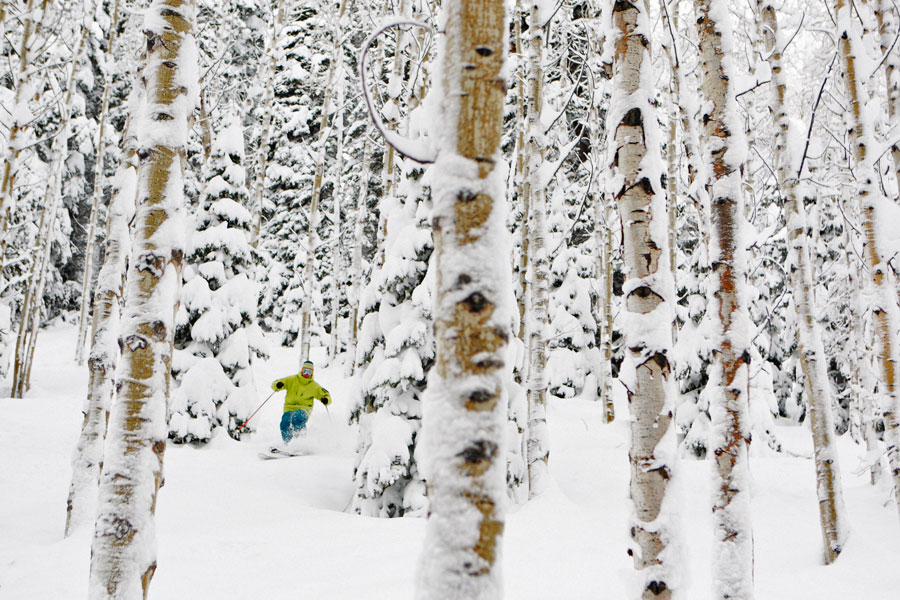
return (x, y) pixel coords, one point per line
(230, 525)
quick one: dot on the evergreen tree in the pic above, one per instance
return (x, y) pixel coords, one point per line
(396, 352)
(396, 347)
(287, 209)
(217, 336)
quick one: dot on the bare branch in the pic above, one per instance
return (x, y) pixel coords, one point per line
(799, 27)
(812, 117)
(553, 14)
(569, 99)
(668, 20)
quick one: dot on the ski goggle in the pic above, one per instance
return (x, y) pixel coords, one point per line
(306, 372)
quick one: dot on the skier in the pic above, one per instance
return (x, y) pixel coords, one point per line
(302, 391)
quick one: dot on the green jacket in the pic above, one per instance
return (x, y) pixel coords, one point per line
(301, 392)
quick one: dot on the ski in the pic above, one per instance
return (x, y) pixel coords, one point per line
(273, 453)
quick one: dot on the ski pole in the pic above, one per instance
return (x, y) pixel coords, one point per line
(254, 412)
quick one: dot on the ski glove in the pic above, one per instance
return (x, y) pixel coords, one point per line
(326, 400)
(279, 385)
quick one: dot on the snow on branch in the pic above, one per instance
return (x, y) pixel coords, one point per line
(418, 150)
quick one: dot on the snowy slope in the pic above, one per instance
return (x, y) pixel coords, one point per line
(232, 526)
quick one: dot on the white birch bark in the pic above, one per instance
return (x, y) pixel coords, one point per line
(636, 165)
(832, 515)
(860, 367)
(87, 459)
(672, 188)
(690, 138)
(356, 260)
(337, 252)
(604, 221)
(389, 171)
(888, 22)
(19, 127)
(538, 447)
(123, 554)
(603, 217)
(519, 181)
(318, 182)
(725, 153)
(465, 409)
(30, 316)
(97, 194)
(606, 323)
(871, 200)
(267, 107)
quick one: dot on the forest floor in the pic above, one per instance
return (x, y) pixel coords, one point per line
(230, 526)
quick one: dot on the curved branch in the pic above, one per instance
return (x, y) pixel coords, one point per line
(416, 150)
(800, 26)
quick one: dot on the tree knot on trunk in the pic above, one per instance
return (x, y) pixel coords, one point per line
(151, 263)
(633, 118)
(657, 588)
(478, 457)
(481, 399)
(135, 342)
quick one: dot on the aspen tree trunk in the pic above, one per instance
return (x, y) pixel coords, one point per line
(832, 516)
(603, 235)
(465, 411)
(3, 19)
(862, 393)
(337, 251)
(30, 317)
(870, 199)
(262, 153)
(672, 189)
(725, 153)
(356, 261)
(18, 128)
(647, 375)
(31, 321)
(390, 170)
(318, 182)
(123, 555)
(861, 353)
(603, 223)
(98, 188)
(886, 14)
(538, 446)
(519, 179)
(87, 458)
(205, 128)
(388, 173)
(609, 410)
(689, 135)
(671, 142)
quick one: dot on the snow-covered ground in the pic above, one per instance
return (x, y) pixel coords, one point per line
(232, 526)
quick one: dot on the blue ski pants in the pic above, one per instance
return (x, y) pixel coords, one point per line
(292, 423)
